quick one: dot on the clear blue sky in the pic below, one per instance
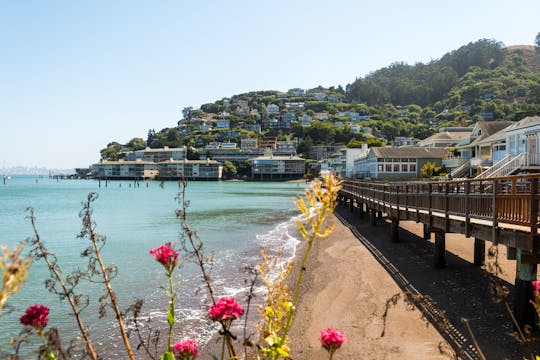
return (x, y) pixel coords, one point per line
(75, 75)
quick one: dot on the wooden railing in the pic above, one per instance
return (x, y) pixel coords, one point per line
(502, 200)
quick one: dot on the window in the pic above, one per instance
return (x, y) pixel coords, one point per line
(396, 167)
(403, 167)
(388, 168)
(380, 168)
(412, 168)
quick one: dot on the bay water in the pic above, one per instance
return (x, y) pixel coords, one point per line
(232, 218)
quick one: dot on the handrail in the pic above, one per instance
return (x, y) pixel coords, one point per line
(517, 162)
(495, 167)
(506, 200)
(460, 169)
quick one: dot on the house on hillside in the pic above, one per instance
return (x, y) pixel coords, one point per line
(272, 109)
(396, 162)
(446, 137)
(319, 96)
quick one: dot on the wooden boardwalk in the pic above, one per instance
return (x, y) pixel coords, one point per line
(502, 210)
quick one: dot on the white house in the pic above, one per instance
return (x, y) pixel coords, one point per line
(396, 162)
(524, 137)
(272, 109)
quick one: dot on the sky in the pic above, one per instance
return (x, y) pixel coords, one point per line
(76, 75)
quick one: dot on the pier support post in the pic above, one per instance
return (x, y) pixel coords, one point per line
(395, 230)
(524, 311)
(427, 234)
(361, 208)
(351, 205)
(479, 252)
(372, 217)
(439, 250)
(379, 215)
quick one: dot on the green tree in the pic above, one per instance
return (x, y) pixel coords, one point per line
(537, 40)
(111, 152)
(229, 170)
(192, 153)
(136, 143)
(305, 147)
(353, 143)
(430, 170)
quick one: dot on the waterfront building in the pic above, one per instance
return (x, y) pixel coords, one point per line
(190, 169)
(125, 170)
(270, 167)
(396, 162)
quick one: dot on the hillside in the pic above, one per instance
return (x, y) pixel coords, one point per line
(480, 80)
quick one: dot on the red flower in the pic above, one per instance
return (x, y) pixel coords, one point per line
(166, 255)
(332, 339)
(186, 349)
(36, 316)
(226, 309)
(536, 285)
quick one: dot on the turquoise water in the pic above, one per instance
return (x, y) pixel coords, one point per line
(232, 218)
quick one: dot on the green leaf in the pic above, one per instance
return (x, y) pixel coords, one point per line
(170, 318)
(167, 356)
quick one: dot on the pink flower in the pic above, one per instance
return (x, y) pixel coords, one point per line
(332, 339)
(36, 316)
(186, 349)
(226, 309)
(536, 285)
(166, 255)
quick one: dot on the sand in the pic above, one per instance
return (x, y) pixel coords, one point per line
(353, 273)
(347, 289)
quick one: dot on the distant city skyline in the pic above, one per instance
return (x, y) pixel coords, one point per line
(78, 75)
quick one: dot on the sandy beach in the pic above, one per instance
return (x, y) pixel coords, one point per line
(352, 275)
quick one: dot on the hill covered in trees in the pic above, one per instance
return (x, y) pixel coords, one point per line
(480, 80)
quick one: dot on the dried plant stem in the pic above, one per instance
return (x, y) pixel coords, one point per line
(69, 295)
(112, 295)
(197, 250)
(520, 332)
(473, 338)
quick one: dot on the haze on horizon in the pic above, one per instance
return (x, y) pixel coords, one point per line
(78, 75)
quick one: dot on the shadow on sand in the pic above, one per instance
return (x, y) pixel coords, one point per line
(447, 295)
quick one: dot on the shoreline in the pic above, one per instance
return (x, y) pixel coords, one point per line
(347, 287)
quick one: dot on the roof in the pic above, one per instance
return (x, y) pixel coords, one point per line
(446, 136)
(409, 152)
(491, 127)
(488, 128)
(524, 123)
(497, 137)
(125, 162)
(278, 158)
(171, 161)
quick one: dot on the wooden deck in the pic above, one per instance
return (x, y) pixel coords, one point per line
(503, 210)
